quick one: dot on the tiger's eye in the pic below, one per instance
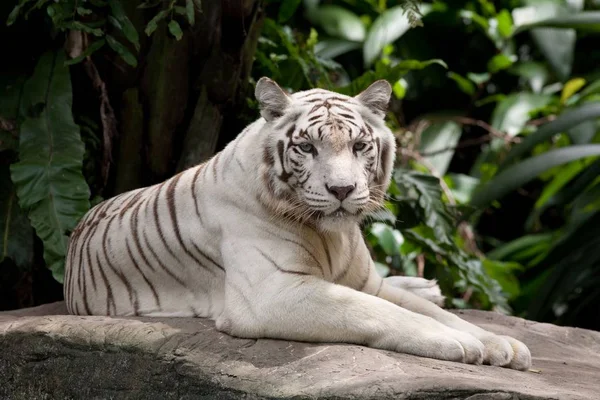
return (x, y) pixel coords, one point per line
(359, 146)
(307, 147)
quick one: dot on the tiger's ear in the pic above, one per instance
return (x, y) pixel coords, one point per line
(376, 97)
(272, 99)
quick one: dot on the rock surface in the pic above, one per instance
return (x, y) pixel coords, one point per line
(46, 355)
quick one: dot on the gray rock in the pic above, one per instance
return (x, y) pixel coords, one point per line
(46, 354)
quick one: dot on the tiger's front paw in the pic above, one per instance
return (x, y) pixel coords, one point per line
(505, 351)
(425, 288)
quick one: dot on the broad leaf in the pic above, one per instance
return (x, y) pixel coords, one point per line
(338, 22)
(121, 50)
(567, 120)
(386, 29)
(388, 239)
(557, 45)
(462, 186)
(48, 178)
(510, 116)
(536, 73)
(287, 9)
(517, 175)
(563, 177)
(512, 113)
(392, 75)
(587, 21)
(126, 26)
(331, 48)
(175, 29)
(440, 138)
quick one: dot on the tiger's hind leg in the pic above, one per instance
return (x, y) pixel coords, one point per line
(425, 288)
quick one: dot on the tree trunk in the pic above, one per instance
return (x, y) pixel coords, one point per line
(173, 106)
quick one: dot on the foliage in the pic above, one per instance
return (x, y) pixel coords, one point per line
(106, 20)
(48, 178)
(495, 106)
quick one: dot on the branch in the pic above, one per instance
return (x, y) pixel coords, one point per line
(492, 133)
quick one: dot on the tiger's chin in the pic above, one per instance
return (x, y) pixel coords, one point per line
(337, 221)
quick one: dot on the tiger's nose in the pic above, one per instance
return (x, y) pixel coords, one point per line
(340, 192)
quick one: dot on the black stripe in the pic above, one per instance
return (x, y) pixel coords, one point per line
(214, 161)
(203, 254)
(379, 288)
(173, 214)
(133, 298)
(137, 266)
(159, 261)
(318, 264)
(326, 248)
(159, 228)
(269, 259)
(131, 203)
(193, 189)
(109, 294)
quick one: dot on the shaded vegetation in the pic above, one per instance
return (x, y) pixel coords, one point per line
(496, 108)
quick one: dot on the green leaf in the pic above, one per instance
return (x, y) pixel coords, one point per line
(579, 185)
(557, 45)
(392, 75)
(517, 175)
(83, 11)
(508, 250)
(503, 273)
(399, 88)
(338, 22)
(585, 205)
(571, 87)
(78, 26)
(462, 186)
(121, 50)
(480, 78)
(331, 48)
(512, 113)
(87, 52)
(584, 132)
(440, 138)
(287, 10)
(587, 21)
(564, 176)
(48, 178)
(175, 29)
(423, 193)
(382, 269)
(499, 62)
(463, 83)
(386, 29)
(592, 88)
(505, 23)
(388, 239)
(127, 27)
(12, 17)
(190, 12)
(153, 24)
(536, 73)
(16, 233)
(566, 120)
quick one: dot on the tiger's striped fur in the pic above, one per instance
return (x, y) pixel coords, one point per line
(264, 239)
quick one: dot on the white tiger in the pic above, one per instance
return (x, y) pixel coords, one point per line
(264, 238)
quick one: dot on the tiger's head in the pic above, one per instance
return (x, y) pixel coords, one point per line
(327, 158)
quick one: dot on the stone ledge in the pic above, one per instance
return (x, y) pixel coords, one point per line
(46, 355)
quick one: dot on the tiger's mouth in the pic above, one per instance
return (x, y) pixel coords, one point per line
(341, 212)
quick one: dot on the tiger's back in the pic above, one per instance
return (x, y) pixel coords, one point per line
(147, 252)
